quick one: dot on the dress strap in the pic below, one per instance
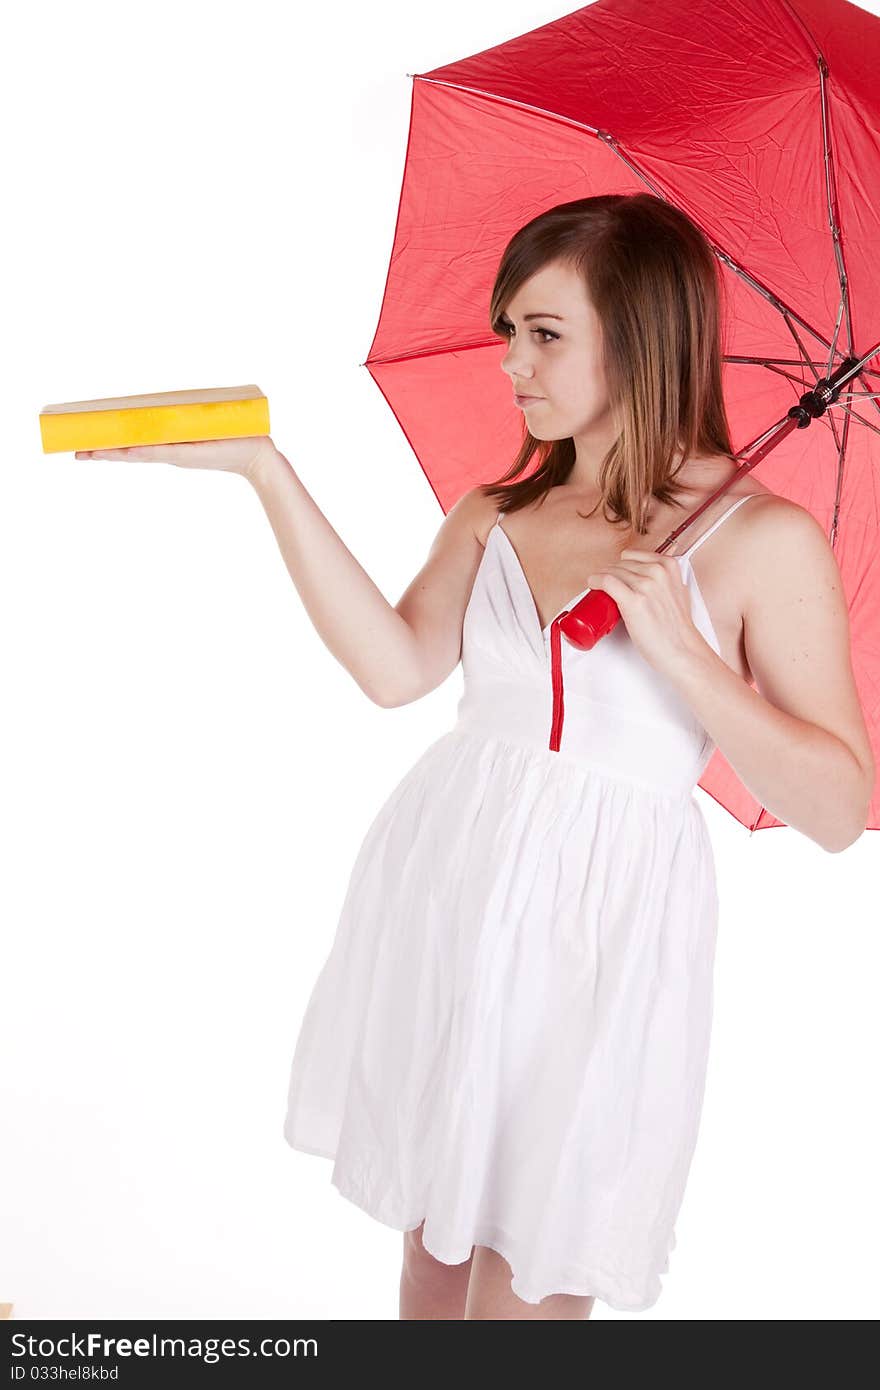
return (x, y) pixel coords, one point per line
(723, 517)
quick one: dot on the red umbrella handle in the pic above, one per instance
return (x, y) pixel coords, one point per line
(590, 619)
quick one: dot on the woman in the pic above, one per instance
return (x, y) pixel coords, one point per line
(505, 1051)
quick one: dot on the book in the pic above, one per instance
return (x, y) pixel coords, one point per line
(166, 417)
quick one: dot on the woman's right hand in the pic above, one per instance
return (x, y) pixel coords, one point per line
(244, 455)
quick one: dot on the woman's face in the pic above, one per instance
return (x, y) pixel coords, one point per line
(564, 371)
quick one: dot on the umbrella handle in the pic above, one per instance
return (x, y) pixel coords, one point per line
(591, 619)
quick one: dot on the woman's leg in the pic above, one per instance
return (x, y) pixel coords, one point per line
(428, 1288)
(490, 1295)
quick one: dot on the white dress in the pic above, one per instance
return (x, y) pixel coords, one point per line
(510, 1033)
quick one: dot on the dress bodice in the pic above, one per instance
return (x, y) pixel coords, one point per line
(622, 716)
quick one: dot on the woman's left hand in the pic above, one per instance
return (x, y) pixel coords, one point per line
(654, 603)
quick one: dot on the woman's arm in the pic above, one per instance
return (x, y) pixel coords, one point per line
(398, 653)
(805, 776)
(351, 615)
(799, 742)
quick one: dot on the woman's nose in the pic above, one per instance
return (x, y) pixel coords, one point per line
(511, 365)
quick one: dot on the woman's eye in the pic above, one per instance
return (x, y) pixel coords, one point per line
(545, 332)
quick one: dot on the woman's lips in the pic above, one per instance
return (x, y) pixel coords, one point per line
(527, 400)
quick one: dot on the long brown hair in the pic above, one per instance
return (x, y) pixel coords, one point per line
(656, 287)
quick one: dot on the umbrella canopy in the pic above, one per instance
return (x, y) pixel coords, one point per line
(759, 120)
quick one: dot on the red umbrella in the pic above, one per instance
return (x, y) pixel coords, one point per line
(757, 119)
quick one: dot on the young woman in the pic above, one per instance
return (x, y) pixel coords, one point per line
(505, 1051)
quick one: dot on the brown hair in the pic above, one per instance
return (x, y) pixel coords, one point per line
(656, 287)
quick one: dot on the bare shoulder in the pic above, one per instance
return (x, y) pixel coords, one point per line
(476, 510)
(776, 530)
(789, 563)
(462, 523)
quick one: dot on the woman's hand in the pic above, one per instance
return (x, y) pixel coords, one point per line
(654, 603)
(242, 455)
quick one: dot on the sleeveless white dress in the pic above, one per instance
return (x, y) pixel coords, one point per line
(509, 1036)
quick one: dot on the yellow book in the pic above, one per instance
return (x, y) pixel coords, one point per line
(167, 417)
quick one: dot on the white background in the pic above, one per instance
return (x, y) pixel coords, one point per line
(200, 195)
